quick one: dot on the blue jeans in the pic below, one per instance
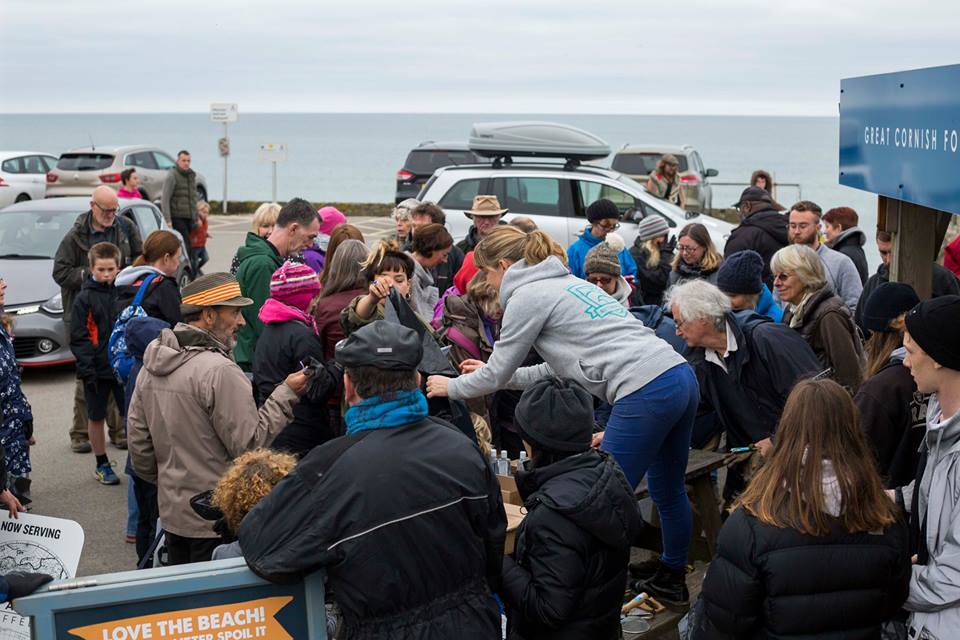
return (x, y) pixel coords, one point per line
(133, 512)
(649, 433)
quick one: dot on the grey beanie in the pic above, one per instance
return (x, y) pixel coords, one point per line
(653, 226)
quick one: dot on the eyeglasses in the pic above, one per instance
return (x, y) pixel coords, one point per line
(688, 248)
(608, 227)
(599, 280)
(105, 210)
(780, 277)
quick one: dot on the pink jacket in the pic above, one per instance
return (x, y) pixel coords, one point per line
(123, 192)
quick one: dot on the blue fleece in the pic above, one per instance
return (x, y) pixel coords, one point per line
(406, 407)
(767, 306)
(577, 256)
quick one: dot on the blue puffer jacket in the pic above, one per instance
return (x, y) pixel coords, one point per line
(767, 306)
(577, 255)
(17, 415)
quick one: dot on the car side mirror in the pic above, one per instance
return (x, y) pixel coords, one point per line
(711, 173)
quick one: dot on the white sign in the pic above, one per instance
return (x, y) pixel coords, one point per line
(223, 111)
(36, 544)
(273, 152)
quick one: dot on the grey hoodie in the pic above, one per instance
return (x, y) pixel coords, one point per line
(934, 588)
(581, 333)
(423, 292)
(132, 274)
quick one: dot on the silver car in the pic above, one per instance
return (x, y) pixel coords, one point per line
(30, 233)
(23, 175)
(80, 171)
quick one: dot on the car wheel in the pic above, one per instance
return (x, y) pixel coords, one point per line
(201, 194)
(23, 197)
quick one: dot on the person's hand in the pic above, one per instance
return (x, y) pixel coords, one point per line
(437, 386)
(380, 288)
(469, 366)
(914, 559)
(23, 584)
(764, 446)
(10, 502)
(597, 439)
(298, 381)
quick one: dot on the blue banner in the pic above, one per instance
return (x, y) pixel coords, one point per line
(900, 136)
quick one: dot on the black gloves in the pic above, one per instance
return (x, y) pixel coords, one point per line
(23, 584)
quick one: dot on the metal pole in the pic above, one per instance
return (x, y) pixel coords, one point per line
(225, 170)
(274, 199)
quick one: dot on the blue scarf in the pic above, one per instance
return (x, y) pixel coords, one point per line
(405, 408)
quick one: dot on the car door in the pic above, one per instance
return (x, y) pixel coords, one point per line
(146, 167)
(35, 171)
(12, 180)
(706, 191)
(546, 200)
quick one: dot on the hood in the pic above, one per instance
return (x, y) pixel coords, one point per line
(649, 314)
(421, 274)
(654, 317)
(588, 489)
(853, 235)
(897, 355)
(131, 274)
(141, 331)
(943, 436)
(165, 355)
(622, 294)
(832, 495)
(254, 245)
(28, 281)
(275, 312)
(770, 221)
(521, 273)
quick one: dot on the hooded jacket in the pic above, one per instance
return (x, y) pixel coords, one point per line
(423, 293)
(893, 415)
(408, 522)
(827, 326)
(565, 579)
(258, 260)
(622, 293)
(577, 256)
(762, 231)
(934, 590)
(71, 264)
(841, 275)
(850, 243)
(944, 284)
(581, 333)
(651, 281)
(192, 412)
(771, 582)
(94, 312)
(139, 331)
(162, 299)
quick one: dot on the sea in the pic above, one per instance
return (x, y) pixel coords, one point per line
(354, 157)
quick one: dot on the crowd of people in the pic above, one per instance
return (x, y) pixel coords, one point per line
(325, 403)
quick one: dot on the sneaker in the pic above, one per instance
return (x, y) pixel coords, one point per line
(668, 585)
(105, 475)
(80, 446)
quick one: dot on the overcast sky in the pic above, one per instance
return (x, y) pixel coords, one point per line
(600, 56)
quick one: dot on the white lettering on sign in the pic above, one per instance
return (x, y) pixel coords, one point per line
(914, 138)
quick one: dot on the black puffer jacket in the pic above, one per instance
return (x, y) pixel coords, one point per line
(281, 349)
(408, 522)
(567, 579)
(768, 582)
(850, 243)
(762, 231)
(651, 281)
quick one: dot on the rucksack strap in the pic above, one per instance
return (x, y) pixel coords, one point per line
(142, 291)
(457, 337)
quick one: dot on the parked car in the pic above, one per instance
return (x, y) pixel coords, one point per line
(30, 233)
(639, 161)
(23, 175)
(80, 171)
(556, 197)
(426, 158)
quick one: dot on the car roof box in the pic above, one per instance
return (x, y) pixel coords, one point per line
(535, 139)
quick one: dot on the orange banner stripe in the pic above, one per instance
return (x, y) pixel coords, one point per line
(217, 294)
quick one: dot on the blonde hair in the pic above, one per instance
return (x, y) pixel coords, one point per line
(265, 215)
(483, 295)
(653, 252)
(507, 242)
(247, 481)
(203, 206)
(484, 435)
(803, 262)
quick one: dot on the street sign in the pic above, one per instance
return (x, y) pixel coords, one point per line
(223, 111)
(900, 136)
(273, 152)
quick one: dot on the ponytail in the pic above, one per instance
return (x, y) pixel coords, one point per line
(386, 256)
(538, 246)
(507, 242)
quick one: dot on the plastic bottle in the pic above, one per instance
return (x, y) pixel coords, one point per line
(503, 466)
(493, 460)
(522, 461)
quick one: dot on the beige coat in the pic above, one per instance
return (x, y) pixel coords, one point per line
(192, 412)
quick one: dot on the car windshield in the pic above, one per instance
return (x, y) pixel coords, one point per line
(641, 163)
(425, 162)
(84, 161)
(33, 234)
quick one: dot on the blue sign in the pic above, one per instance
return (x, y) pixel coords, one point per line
(900, 136)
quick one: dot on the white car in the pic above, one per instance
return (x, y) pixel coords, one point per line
(23, 175)
(556, 197)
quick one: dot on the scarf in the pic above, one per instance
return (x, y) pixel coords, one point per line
(797, 318)
(406, 407)
(274, 311)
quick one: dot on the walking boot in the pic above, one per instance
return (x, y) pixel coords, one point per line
(668, 585)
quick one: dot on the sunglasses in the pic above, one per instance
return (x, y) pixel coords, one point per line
(780, 277)
(599, 280)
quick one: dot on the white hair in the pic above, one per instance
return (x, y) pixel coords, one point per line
(402, 210)
(803, 262)
(699, 300)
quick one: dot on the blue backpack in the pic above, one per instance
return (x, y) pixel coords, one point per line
(121, 361)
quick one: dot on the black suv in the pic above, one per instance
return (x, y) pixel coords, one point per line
(427, 158)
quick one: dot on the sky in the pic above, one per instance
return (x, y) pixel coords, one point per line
(698, 57)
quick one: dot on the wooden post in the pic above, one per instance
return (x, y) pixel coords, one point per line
(917, 234)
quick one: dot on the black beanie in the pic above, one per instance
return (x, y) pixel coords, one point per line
(887, 302)
(933, 325)
(741, 273)
(602, 209)
(556, 415)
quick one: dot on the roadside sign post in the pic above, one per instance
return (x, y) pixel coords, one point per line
(899, 140)
(225, 112)
(273, 153)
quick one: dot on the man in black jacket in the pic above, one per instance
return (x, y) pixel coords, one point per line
(403, 512)
(763, 229)
(746, 365)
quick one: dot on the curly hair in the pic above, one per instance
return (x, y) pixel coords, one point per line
(251, 477)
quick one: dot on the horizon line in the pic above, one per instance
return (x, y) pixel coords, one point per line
(416, 113)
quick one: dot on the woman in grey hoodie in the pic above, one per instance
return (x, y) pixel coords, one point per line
(587, 336)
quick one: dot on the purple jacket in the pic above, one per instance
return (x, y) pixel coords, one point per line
(314, 258)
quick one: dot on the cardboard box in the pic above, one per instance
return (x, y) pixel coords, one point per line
(515, 516)
(508, 489)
